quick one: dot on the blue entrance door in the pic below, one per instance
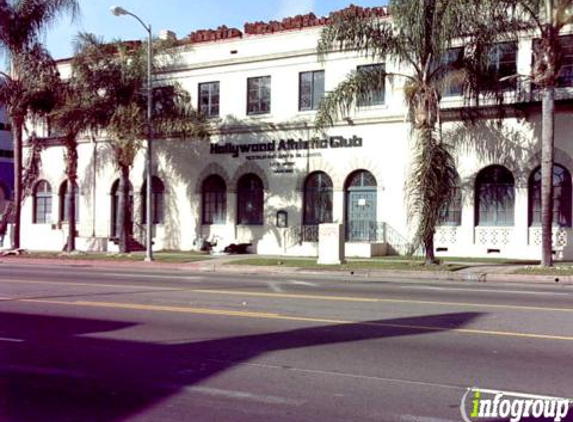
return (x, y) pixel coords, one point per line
(361, 199)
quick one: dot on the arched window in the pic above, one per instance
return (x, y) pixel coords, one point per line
(250, 197)
(157, 206)
(495, 197)
(115, 194)
(317, 199)
(214, 200)
(561, 196)
(42, 203)
(452, 214)
(64, 210)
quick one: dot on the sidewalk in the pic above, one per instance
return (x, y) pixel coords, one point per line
(475, 272)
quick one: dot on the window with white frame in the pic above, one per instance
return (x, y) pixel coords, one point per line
(209, 99)
(495, 197)
(250, 200)
(43, 203)
(561, 197)
(259, 95)
(158, 201)
(64, 204)
(375, 73)
(311, 90)
(214, 200)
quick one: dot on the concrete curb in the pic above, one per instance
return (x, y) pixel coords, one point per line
(213, 266)
(387, 275)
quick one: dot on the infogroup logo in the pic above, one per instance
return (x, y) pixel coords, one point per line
(481, 404)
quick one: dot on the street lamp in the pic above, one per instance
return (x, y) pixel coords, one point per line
(120, 11)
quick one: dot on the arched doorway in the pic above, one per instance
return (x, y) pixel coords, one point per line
(360, 205)
(115, 193)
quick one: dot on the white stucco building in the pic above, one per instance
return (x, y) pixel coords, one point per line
(261, 87)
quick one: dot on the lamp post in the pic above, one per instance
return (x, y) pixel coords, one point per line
(120, 11)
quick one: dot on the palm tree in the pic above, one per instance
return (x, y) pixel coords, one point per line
(21, 24)
(28, 95)
(117, 75)
(77, 111)
(419, 36)
(546, 19)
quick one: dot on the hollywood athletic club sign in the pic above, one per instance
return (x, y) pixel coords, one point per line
(333, 142)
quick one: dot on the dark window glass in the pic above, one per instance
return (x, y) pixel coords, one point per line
(452, 215)
(361, 179)
(64, 209)
(561, 197)
(503, 63)
(157, 207)
(317, 199)
(565, 77)
(259, 95)
(214, 195)
(43, 203)
(566, 72)
(250, 197)
(311, 90)
(453, 58)
(209, 99)
(495, 197)
(374, 96)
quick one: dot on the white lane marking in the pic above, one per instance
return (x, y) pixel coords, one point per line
(163, 277)
(275, 287)
(302, 283)
(113, 274)
(12, 340)
(243, 395)
(521, 292)
(345, 375)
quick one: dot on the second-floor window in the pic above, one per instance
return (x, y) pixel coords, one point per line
(311, 90)
(375, 96)
(565, 78)
(259, 95)
(453, 59)
(503, 64)
(209, 99)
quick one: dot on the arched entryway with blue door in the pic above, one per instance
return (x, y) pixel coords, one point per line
(361, 207)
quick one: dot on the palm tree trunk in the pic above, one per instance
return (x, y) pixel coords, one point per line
(429, 247)
(71, 243)
(547, 141)
(72, 165)
(123, 212)
(18, 124)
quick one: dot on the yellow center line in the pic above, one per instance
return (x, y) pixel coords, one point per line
(296, 296)
(275, 316)
(377, 300)
(286, 295)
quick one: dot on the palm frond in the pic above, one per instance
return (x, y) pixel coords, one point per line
(354, 90)
(22, 22)
(369, 36)
(430, 184)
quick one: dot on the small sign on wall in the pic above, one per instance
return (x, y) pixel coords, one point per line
(362, 202)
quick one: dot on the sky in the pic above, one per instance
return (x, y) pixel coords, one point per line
(179, 16)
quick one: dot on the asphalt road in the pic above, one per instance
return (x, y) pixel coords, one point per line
(80, 344)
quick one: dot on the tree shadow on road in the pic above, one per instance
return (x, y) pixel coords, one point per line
(65, 370)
